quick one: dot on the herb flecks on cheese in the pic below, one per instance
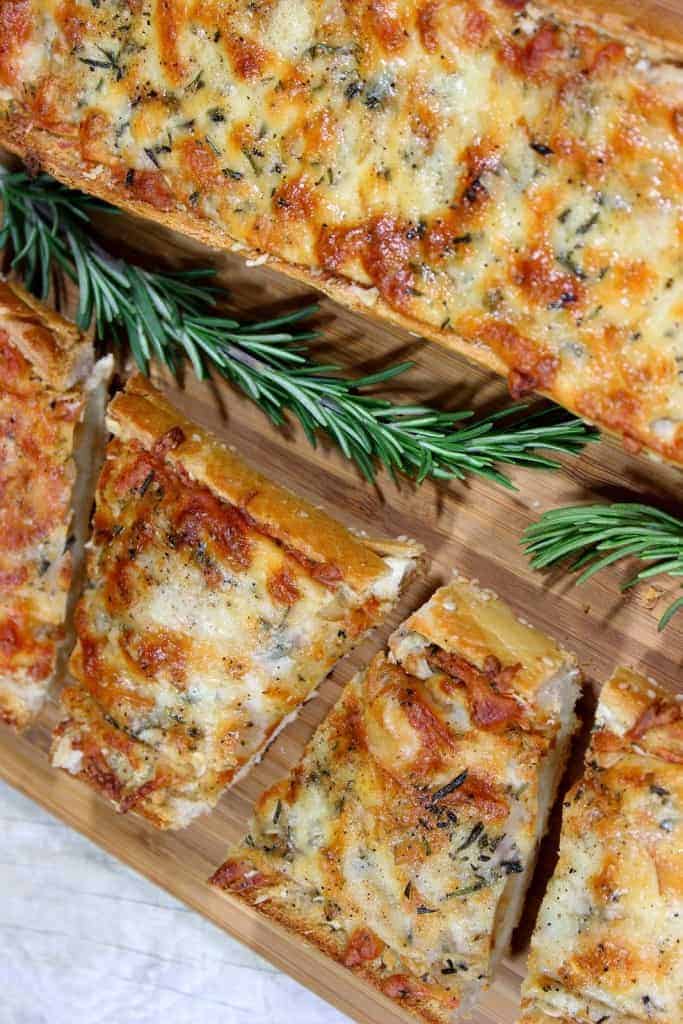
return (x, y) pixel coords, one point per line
(402, 842)
(43, 364)
(480, 169)
(216, 603)
(608, 943)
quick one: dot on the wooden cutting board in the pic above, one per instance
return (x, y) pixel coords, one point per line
(474, 526)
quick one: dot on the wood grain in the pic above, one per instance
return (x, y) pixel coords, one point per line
(653, 21)
(474, 526)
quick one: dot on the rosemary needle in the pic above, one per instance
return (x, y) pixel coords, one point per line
(171, 316)
(599, 535)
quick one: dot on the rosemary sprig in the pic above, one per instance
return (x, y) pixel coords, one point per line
(603, 534)
(169, 316)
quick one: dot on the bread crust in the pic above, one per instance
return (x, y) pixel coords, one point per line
(56, 348)
(315, 931)
(607, 940)
(651, 28)
(141, 412)
(217, 602)
(466, 619)
(352, 840)
(41, 149)
(43, 396)
(619, 401)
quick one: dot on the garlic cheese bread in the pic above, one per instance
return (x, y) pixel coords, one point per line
(402, 842)
(215, 604)
(492, 175)
(48, 397)
(608, 944)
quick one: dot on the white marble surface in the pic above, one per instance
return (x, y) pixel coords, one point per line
(84, 940)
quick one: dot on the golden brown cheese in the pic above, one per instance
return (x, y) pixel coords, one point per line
(402, 841)
(216, 602)
(488, 174)
(43, 365)
(608, 943)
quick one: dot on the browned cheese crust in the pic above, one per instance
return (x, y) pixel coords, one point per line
(43, 360)
(216, 603)
(608, 943)
(503, 179)
(400, 839)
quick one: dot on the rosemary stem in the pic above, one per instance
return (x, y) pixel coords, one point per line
(171, 316)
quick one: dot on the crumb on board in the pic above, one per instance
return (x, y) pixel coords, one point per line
(649, 596)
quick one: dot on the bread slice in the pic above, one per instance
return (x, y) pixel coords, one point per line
(402, 842)
(608, 943)
(216, 603)
(495, 175)
(50, 396)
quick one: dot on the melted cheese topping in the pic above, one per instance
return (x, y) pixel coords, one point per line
(609, 939)
(488, 172)
(37, 424)
(199, 634)
(401, 834)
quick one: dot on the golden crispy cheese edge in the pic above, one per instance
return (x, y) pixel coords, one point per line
(142, 413)
(465, 617)
(282, 900)
(37, 146)
(55, 347)
(624, 699)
